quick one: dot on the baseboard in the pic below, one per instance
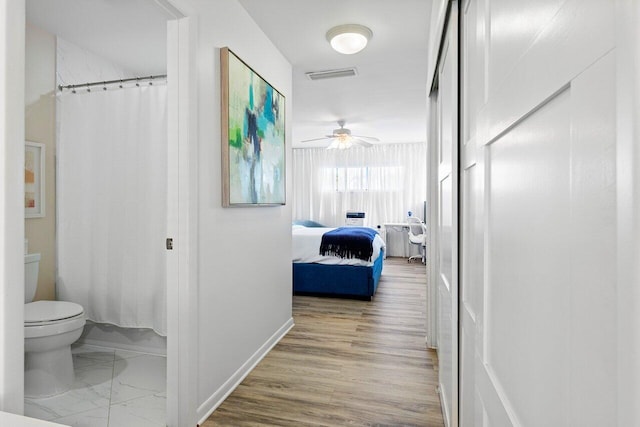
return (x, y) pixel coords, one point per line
(429, 343)
(234, 381)
(443, 406)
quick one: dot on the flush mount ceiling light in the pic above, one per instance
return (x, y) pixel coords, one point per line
(349, 38)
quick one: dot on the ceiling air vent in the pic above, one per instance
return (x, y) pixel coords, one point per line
(332, 74)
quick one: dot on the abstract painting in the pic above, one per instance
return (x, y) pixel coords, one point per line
(253, 136)
(33, 180)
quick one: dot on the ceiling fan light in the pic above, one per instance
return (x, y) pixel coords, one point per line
(349, 38)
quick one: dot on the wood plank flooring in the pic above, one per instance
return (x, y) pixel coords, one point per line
(347, 362)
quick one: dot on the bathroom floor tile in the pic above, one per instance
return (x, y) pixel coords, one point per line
(94, 418)
(82, 397)
(33, 409)
(112, 388)
(86, 355)
(136, 377)
(94, 375)
(148, 411)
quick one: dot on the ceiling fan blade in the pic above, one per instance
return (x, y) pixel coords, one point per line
(361, 142)
(318, 139)
(371, 138)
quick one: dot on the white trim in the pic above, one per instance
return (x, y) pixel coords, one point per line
(212, 403)
(12, 58)
(182, 285)
(173, 265)
(432, 218)
(628, 207)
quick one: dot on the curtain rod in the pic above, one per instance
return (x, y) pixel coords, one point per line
(109, 82)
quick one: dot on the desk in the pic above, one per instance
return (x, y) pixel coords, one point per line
(396, 238)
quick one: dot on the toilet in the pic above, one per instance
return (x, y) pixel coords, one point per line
(50, 327)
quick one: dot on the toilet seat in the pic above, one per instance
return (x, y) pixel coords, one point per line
(43, 312)
(45, 318)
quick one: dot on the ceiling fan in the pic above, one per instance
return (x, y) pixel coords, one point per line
(342, 138)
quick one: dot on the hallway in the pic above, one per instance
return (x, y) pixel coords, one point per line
(347, 362)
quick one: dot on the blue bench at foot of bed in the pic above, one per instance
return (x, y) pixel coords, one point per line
(337, 280)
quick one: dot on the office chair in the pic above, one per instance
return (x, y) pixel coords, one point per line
(417, 236)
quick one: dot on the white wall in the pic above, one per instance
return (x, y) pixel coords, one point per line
(12, 41)
(244, 255)
(76, 65)
(40, 89)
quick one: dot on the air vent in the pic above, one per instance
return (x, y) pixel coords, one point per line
(332, 74)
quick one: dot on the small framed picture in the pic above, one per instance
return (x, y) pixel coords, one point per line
(34, 180)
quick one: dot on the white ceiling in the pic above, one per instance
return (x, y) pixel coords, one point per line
(386, 100)
(130, 33)
(388, 97)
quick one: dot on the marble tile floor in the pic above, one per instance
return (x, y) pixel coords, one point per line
(113, 388)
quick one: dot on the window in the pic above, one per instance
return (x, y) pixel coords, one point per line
(362, 179)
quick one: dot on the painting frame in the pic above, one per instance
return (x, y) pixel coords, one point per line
(253, 136)
(34, 179)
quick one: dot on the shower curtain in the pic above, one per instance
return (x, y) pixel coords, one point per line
(112, 204)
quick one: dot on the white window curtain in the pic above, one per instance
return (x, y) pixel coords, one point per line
(384, 181)
(112, 204)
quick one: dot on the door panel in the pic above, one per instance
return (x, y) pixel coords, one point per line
(538, 215)
(446, 232)
(528, 207)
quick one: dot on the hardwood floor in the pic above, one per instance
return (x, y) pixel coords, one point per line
(347, 362)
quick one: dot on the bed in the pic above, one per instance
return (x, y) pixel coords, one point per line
(330, 274)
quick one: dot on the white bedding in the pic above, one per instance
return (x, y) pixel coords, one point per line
(306, 248)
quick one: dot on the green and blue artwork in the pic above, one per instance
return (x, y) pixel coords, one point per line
(256, 138)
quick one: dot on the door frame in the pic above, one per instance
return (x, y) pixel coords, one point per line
(433, 133)
(12, 77)
(181, 268)
(448, 16)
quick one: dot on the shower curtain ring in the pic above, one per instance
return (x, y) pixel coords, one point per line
(120, 83)
(88, 88)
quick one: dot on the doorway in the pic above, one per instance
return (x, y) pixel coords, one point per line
(176, 413)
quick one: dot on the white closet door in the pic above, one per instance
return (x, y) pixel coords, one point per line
(538, 216)
(447, 223)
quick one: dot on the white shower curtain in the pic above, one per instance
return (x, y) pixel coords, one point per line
(112, 204)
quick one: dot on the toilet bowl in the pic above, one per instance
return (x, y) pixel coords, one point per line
(50, 327)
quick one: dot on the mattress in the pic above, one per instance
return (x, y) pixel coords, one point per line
(306, 248)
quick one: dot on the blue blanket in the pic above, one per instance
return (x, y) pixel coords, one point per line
(349, 242)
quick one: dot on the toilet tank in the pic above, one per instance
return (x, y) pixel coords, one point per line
(31, 266)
